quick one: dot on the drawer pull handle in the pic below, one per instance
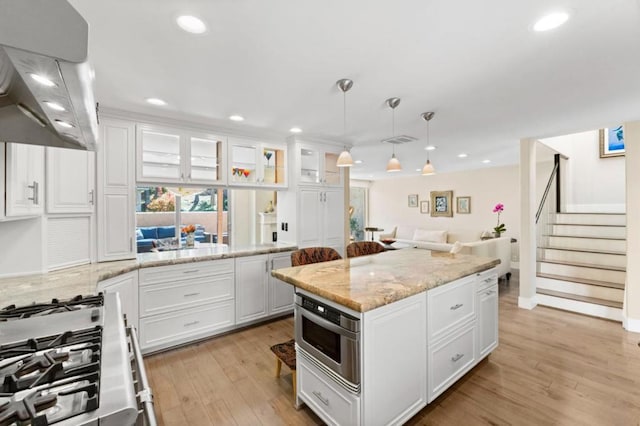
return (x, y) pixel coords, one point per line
(456, 306)
(191, 323)
(489, 293)
(191, 294)
(318, 395)
(456, 357)
(191, 271)
(488, 280)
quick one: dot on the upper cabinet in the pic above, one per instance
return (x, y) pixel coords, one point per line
(70, 180)
(24, 184)
(316, 165)
(177, 156)
(253, 163)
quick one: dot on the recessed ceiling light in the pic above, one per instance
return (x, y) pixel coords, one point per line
(486, 161)
(295, 130)
(551, 21)
(156, 101)
(64, 124)
(236, 118)
(358, 161)
(429, 148)
(463, 155)
(45, 81)
(54, 106)
(191, 24)
(418, 170)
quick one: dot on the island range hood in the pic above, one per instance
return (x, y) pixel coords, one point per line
(46, 83)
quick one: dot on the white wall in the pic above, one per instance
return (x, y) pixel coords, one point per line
(21, 247)
(486, 187)
(591, 183)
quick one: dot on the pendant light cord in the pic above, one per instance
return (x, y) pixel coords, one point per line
(393, 129)
(428, 146)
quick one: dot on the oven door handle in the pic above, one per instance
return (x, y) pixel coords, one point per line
(145, 396)
(327, 324)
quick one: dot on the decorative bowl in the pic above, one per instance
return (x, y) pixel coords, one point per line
(387, 241)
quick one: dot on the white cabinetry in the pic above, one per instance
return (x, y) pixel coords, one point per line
(126, 286)
(116, 191)
(321, 215)
(70, 181)
(258, 294)
(253, 163)
(24, 183)
(316, 165)
(181, 303)
(487, 300)
(177, 156)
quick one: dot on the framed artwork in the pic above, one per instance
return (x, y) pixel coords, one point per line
(441, 204)
(424, 207)
(463, 205)
(413, 200)
(611, 142)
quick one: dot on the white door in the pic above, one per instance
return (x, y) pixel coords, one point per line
(70, 181)
(488, 319)
(116, 209)
(251, 287)
(280, 293)
(127, 287)
(333, 208)
(310, 218)
(24, 180)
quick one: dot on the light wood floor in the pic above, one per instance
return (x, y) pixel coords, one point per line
(551, 367)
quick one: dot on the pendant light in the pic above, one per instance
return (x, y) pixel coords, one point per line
(344, 160)
(428, 167)
(394, 164)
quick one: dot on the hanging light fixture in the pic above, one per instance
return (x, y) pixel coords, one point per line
(428, 167)
(344, 160)
(394, 164)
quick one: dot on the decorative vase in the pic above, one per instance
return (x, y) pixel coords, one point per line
(496, 234)
(191, 238)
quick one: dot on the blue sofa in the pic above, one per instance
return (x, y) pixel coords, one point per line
(146, 235)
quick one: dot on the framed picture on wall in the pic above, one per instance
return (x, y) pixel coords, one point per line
(424, 207)
(441, 204)
(463, 205)
(611, 142)
(413, 200)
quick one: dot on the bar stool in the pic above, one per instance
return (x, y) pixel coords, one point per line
(286, 352)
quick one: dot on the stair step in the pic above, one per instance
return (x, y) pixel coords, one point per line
(582, 230)
(583, 258)
(586, 238)
(581, 280)
(586, 299)
(584, 265)
(586, 218)
(587, 271)
(600, 244)
(587, 224)
(585, 250)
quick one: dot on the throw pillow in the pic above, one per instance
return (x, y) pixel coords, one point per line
(430, 236)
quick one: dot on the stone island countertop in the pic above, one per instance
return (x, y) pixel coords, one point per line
(70, 282)
(367, 282)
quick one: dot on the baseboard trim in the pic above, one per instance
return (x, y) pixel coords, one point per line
(630, 324)
(600, 311)
(527, 302)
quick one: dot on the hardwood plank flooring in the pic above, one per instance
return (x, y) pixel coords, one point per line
(550, 368)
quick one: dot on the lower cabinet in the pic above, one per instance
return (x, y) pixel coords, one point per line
(126, 286)
(258, 294)
(487, 318)
(181, 303)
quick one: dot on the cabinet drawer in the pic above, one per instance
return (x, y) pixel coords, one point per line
(165, 330)
(335, 405)
(160, 274)
(450, 359)
(486, 279)
(450, 306)
(171, 296)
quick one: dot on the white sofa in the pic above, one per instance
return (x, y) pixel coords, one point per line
(443, 240)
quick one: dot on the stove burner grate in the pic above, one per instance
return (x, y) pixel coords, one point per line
(89, 335)
(12, 312)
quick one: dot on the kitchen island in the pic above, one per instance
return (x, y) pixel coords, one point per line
(418, 321)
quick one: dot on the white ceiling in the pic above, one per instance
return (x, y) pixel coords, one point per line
(489, 78)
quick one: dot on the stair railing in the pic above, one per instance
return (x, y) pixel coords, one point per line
(549, 204)
(553, 177)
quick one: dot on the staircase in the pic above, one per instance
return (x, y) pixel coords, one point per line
(581, 263)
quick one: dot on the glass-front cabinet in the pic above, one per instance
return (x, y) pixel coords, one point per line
(317, 166)
(178, 156)
(253, 163)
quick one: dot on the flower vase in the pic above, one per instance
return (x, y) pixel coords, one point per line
(191, 238)
(496, 234)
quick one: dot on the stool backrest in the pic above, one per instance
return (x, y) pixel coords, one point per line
(310, 255)
(363, 248)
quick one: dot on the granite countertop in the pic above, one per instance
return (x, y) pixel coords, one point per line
(367, 282)
(70, 282)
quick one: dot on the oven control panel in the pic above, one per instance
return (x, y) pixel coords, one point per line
(321, 310)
